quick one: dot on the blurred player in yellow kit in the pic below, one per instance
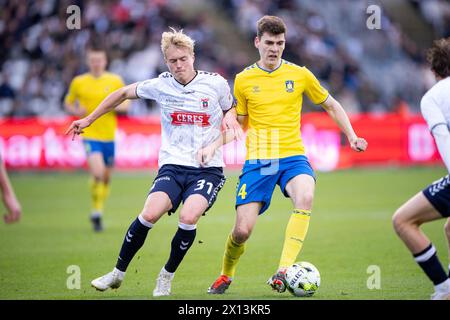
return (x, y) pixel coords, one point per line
(269, 97)
(86, 91)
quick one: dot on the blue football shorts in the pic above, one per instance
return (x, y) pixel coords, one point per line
(179, 182)
(259, 177)
(438, 193)
(106, 148)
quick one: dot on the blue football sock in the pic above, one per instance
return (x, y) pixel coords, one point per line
(430, 264)
(134, 239)
(181, 242)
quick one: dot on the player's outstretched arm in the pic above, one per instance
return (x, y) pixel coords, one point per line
(109, 103)
(339, 116)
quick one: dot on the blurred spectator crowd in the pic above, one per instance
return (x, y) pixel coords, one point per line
(367, 70)
(437, 13)
(40, 55)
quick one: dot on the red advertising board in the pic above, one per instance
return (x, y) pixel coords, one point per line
(35, 143)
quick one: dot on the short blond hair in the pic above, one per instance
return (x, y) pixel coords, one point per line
(178, 39)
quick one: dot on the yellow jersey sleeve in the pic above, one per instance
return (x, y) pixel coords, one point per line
(89, 92)
(241, 101)
(313, 89)
(72, 94)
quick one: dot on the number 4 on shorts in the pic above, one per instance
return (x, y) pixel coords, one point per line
(242, 193)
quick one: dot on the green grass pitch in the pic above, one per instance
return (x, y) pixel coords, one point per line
(350, 231)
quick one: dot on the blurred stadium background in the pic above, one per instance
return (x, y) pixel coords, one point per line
(378, 75)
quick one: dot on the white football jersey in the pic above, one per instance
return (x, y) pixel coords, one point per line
(435, 107)
(191, 115)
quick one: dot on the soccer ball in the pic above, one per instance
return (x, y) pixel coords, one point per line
(303, 279)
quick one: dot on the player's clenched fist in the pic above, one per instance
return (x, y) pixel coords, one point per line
(205, 155)
(359, 144)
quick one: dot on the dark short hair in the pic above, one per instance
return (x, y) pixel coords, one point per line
(95, 48)
(270, 24)
(439, 57)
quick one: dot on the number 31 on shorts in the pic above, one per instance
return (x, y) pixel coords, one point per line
(242, 193)
(201, 185)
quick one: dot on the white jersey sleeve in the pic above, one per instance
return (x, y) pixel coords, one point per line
(433, 113)
(148, 89)
(225, 97)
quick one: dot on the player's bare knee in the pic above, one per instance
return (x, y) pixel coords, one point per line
(304, 201)
(240, 235)
(396, 220)
(191, 212)
(98, 177)
(150, 216)
(190, 219)
(447, 228)
(400, 222)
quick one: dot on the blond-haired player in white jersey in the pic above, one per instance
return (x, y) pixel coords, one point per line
(434, 201)
(192, 105)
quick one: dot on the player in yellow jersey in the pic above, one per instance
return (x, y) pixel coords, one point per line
(269, 97)
(85, 93)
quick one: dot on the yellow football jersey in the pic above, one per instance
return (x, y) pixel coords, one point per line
(89, 92)
(273, 103)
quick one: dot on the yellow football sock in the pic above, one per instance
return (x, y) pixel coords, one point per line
(295, 235)
(106, 190)
(233, 252)
(97, 195)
